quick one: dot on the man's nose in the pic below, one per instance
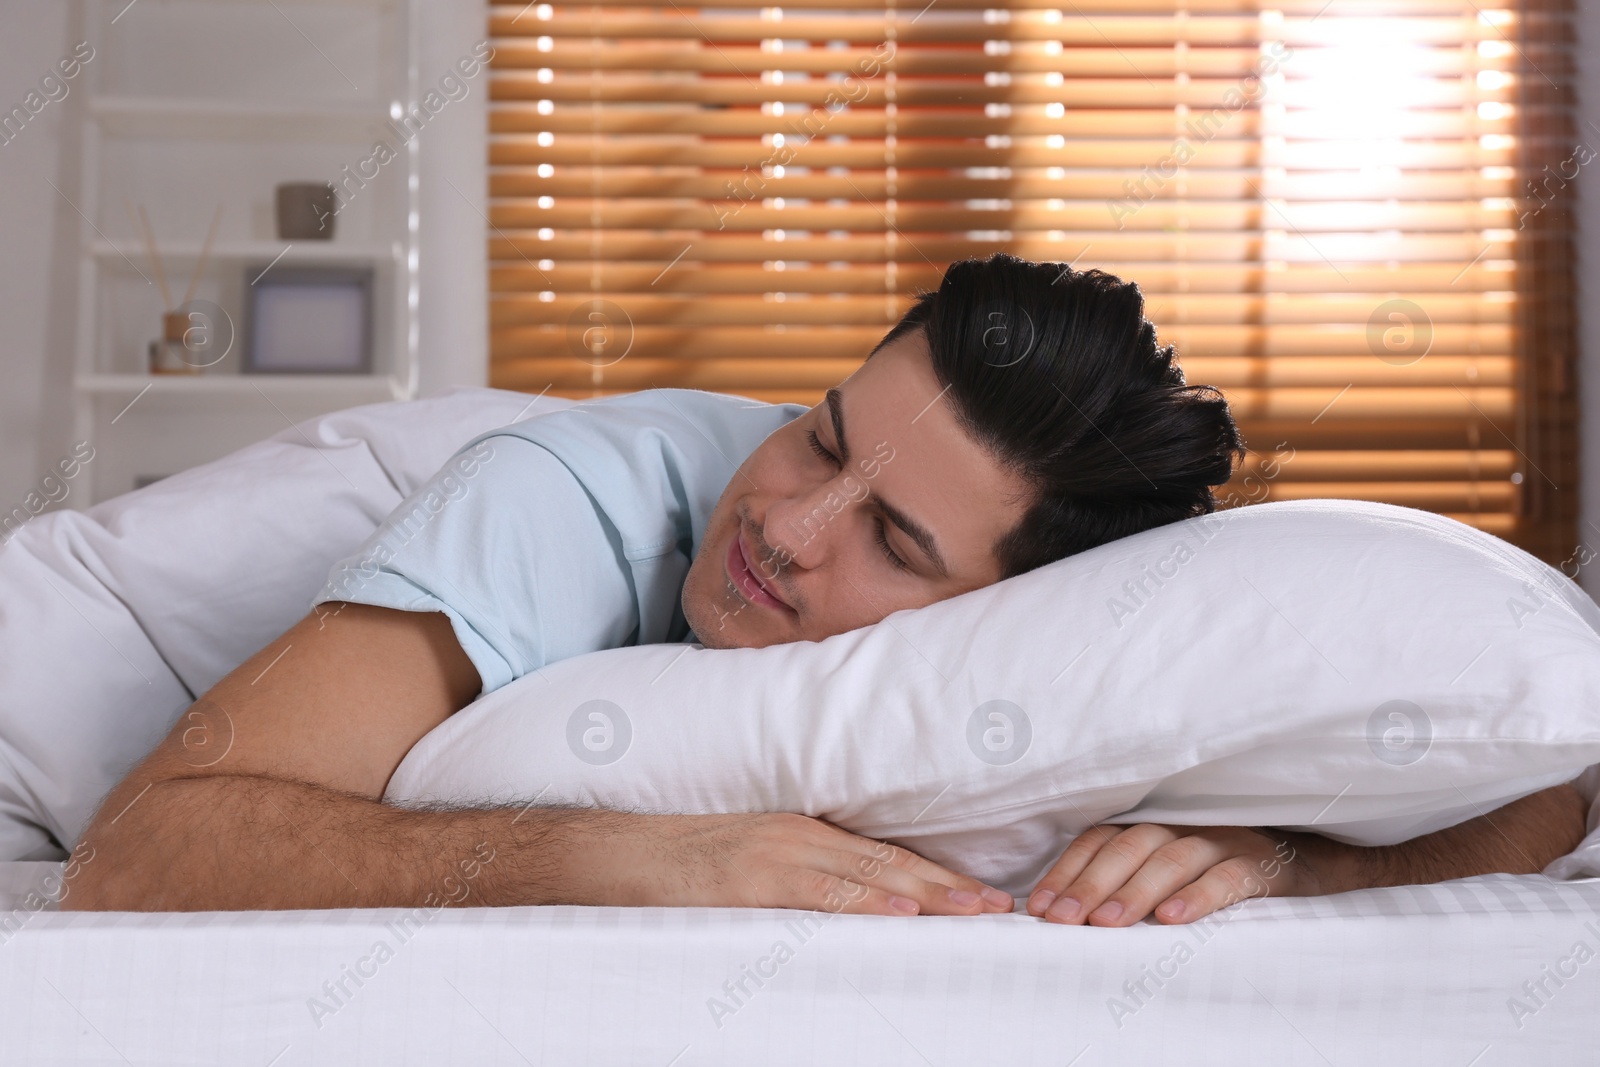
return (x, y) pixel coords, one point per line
(801, 527)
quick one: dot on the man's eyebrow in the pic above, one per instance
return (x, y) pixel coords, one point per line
(836, 413)
(911, 527)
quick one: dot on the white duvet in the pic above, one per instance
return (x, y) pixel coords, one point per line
(112, 620)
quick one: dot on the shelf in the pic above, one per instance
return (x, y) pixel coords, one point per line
(349, 387)
(246, 120)
(210, 101)
(265, 251)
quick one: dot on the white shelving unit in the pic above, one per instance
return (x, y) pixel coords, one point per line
(195, 103)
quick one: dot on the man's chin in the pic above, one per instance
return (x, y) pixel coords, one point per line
(711, 627)
(716, 637)
(715, 628)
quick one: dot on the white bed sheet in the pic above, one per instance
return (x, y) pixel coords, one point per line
(1416, 975)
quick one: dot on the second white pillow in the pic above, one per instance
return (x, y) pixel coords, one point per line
(1367, 671)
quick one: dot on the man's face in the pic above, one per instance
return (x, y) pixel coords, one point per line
(816, 536)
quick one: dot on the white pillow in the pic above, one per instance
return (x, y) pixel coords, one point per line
(1367, 671)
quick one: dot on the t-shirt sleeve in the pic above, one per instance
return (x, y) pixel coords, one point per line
(509, 544)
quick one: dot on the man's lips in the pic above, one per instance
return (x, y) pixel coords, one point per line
(743, 575)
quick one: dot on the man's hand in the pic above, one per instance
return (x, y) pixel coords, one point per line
(778, 861)
(1116, 876)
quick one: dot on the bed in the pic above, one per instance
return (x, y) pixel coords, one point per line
(1490, 970)
(1481, 971)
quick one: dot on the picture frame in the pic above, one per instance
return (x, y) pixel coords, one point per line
(308, 320)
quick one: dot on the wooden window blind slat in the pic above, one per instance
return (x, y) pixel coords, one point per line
(748, 197)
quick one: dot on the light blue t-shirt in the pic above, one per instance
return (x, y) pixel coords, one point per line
(567, 533)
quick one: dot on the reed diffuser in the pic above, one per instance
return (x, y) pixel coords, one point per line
(171, 353)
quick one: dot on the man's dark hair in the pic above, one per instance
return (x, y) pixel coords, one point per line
(1057, 374)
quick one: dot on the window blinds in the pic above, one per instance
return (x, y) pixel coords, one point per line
(1333, 207)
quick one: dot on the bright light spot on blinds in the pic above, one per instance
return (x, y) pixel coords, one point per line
(1491, 111)
(546, 139)
(546, 107)
(1493, 79)
(546, 170)
(543, 11)
(1055, 110)
(547, 234)
(544, 44)
(1361, 91)
(1495, 18)
(547, 201)
(1494, 49)
(546, 75)
(546, 296)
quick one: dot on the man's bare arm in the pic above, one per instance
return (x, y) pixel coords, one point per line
(1117, 875)
(267, 794)
(1524, 837)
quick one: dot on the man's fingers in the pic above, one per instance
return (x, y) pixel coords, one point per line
(1220, 887)
(935, 890)
(1107, 871)
(817, 890)
(871, 855)
(1170, 868)
(1069, 866)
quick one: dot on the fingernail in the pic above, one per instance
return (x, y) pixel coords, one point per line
(998, 898)
(1172, 909)
(901, 904)
(1107, 912)
(1064, 910)
(1040, 902)
(964, 898)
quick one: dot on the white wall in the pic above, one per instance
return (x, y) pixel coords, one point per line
(454, 308)
(38, 270)
(38, 230)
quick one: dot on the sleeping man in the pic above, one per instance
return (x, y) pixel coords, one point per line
(1021, 413)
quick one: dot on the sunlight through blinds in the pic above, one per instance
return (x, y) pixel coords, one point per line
(1333, 208)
